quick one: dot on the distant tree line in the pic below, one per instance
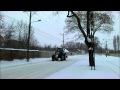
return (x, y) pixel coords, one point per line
(74, 46)
(14, 34)
(116, 43)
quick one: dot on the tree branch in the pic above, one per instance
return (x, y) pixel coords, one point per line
(79, 23)
(97, 28)
(68, 15)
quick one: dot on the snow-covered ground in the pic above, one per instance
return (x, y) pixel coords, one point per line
(21, 62)
(106, 68)
(75, 67)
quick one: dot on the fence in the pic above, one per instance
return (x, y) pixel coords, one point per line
(10, 54)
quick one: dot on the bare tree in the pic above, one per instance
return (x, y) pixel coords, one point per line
(97, 42)
(2, 25)
(70, 45)
(2, 28)
(73, 47)
(115, 43)
(80, 21)
(77, 21)
(9, 35)
(118, 42)
(22, 34)
(34, 43)
(19, 32)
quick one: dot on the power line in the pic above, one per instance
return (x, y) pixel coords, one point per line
(46, 34)
(42, 31)
(50, 23)
(53, 22)
(10, 18)
(50, 39)
(49, 26)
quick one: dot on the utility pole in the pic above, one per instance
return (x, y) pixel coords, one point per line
(28, 41)
(29, 33)
(63, 38)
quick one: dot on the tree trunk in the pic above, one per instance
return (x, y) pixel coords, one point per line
(91, 58)
(91, 61)
(88, 33)
(91, 53)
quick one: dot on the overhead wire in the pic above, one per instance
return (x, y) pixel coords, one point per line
(55, 29)
(44, 33)
(52, 21)
(47, 33)
(13, 19)
(50, 27)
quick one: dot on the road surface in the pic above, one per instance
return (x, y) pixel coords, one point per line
(36, 70)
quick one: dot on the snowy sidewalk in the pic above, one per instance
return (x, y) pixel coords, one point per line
(81, 70)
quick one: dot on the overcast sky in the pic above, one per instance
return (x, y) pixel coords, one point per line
(50, 28)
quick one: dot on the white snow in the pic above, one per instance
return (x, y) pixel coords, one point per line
(106, 67)
(16, 49)
(66, 50)
(21, 62)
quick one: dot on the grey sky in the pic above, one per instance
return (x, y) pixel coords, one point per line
(48, 30)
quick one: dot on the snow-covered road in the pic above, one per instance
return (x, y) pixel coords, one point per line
(35, 69)
(75, 67)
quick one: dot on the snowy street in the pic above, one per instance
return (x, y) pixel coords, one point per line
(75, 67)
(35, 69)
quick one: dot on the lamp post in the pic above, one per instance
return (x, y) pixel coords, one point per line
(29, 32)
(28, 41)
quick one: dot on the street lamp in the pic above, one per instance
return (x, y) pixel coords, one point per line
(29, 31)
(36, 21)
